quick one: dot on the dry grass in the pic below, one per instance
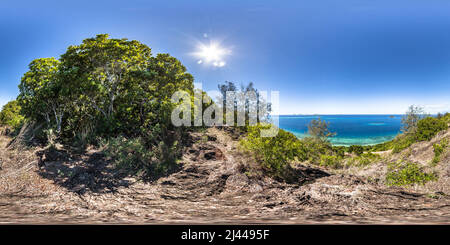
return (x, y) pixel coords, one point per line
(212, 186)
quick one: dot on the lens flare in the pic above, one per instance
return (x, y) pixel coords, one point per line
(212, 54)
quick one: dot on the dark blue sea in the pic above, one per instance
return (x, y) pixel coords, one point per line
(350, 129)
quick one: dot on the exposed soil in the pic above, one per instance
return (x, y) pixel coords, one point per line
(215, 185)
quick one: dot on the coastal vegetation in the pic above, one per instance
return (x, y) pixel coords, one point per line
(273, 153)
(417, 130)
(317, 150)
(440, 149)
(407, 173)
(319, 130)
(11, 116)
(109, 92)
(115, 95)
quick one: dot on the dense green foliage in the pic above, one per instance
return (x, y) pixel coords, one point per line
(130, 155)
(398, 144)
(428, 127)
(357, 149)
(439, 150)
(315, 148)
(273, 153)
(11, 115)
(116, 90)
(407, 174)
(417, 126)
(133, 157)
(444, 117)
(40, 96)
(106, 88)
(332, 161)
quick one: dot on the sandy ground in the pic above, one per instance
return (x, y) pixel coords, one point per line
(212, 187)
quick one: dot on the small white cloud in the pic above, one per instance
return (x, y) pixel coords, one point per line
(205, 35)
(436, 108)
(199, 61)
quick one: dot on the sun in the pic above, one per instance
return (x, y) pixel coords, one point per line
(212, 54)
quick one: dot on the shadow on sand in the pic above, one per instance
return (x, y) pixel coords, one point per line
(84, 172)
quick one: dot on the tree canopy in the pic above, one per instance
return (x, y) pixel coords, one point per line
(11, 115)
(104, 87)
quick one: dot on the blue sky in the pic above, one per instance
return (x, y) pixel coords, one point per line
(323, 56)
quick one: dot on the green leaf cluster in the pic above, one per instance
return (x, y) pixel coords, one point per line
(108, 88)
(439, 150)
(407, 174)
(428, 127)
(273, 153)
(11, 115)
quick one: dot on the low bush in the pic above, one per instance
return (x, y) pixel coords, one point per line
(357, 149)
(444, 117)
(330, 161)
(428, 127)
(402, 142)
(340, 150)
(407, 174)
(135, 158)
(11, 116)
(130, 155)
(315, 148)
(363, 160)
(439, 149)
(273, 153)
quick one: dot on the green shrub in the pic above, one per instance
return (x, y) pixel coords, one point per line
(273, 153)
(128, 154)
(407, 174)
(340, 151)
(439, 149)
(368, 158)
(314, 148)
(380, 147)
(330, 161)
(398, 144)
(428, 127)
(11, 115)
(357, 149)
(364, 159)
(135, 158)
(402, 142)
(444, 117)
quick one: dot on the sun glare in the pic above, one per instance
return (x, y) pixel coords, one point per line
(212, 54)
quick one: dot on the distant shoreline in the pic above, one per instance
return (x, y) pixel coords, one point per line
(340, 115)
(351, 129)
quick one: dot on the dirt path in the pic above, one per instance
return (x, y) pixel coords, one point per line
(211, 187)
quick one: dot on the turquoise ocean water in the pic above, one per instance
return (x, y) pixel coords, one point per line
(350, 129)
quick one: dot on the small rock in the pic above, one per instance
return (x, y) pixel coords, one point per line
(254, 188)
(215, 154)
(237, 181)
